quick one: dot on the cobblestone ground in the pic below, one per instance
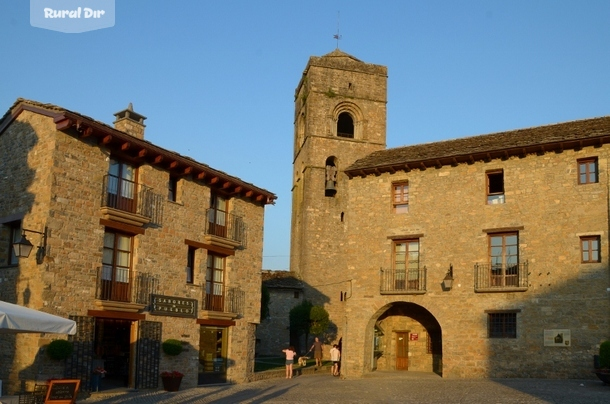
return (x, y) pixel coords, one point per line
(380, 387)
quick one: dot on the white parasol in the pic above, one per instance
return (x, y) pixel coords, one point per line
(15, 319)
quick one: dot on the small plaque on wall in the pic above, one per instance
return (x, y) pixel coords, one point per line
(173, 306)
(557, 337)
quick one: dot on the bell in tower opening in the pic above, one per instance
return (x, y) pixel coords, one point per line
(331, 177)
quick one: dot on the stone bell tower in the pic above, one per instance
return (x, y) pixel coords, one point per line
(340, 116)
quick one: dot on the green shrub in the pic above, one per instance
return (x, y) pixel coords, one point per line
(604, 355)
(172, 347)
(59, 349)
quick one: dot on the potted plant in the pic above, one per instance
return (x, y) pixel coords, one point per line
(59, 349)
(172, 347)
(602, 362)
(96, 378)
(171, 380)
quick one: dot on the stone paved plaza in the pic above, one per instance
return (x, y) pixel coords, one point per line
(380, 387)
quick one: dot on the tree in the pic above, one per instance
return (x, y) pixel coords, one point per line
(307, 319)
(319, 320)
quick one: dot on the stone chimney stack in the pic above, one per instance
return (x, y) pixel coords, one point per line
(130, 122)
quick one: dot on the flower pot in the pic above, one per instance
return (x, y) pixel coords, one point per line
(603, 376)
(171, 383)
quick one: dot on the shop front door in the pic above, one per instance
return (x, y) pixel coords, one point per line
(213, 355)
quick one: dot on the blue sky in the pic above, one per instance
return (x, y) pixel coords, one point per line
(216, 79)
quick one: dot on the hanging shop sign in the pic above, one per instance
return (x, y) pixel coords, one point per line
(173, 306)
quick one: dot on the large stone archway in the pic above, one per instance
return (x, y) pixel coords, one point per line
(403, 336)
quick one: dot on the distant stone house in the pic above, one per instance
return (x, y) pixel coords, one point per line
(484, 256)
(136, 243)
(285, 292)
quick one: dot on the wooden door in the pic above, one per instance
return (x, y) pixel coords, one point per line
(402, 350)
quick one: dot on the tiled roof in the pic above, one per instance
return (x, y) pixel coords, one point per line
(575, 134)
(281, 280)
(185, 161)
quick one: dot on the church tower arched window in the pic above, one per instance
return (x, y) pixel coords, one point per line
(345, 125)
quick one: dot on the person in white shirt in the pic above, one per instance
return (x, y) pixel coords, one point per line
(335, 357)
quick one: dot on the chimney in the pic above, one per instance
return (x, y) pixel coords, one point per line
(130, 122)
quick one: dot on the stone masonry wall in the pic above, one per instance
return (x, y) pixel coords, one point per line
(57, 181)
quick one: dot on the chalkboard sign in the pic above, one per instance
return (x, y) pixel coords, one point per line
(62, 391)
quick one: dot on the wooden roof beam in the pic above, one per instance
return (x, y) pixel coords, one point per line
(106, 139)
(125, 146)
(158, 159)
(142, 153)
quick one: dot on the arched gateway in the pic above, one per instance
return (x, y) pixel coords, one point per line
(403, 336)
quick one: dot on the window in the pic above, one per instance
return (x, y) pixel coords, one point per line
(504, 259)
(502, 325)
(587, 170)
(214, 285)
(296, 295)
(495, 187)
(190, 265)
(121, 186)
(172, 189)
(589, 249)
(406, 265)
(345, 125)
(217, 216)
(116, 266)
(401, 197)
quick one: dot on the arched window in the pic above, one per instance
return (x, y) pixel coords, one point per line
(345, 125)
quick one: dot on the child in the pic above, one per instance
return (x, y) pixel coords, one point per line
(290, 353)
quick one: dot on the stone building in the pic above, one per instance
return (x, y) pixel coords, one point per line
(136, 243)
(484, 256)
(285, 292)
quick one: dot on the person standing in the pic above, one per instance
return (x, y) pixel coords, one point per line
(335, 357)
(317, 351)
(290, 353)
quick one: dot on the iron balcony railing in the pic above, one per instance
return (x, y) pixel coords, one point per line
(225, 225)
(129, 196)
(223, 299)
(124, 285)
(403, 281)
(494, 276)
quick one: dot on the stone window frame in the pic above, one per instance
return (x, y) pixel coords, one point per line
(588, 171)
(506, 319)
(495, 181)
(357, 118)
(402, 205)
(586, 248)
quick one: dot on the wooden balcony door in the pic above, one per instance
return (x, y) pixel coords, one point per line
(122, 186)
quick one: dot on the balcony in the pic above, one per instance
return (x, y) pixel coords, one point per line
(220, 302)
(403, 281)
(224, 229)
(500, 278)
(129, 202)
(124, 290)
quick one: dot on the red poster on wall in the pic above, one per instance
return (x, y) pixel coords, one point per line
(414, 337)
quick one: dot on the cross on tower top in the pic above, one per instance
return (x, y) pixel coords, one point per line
(337, 36)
